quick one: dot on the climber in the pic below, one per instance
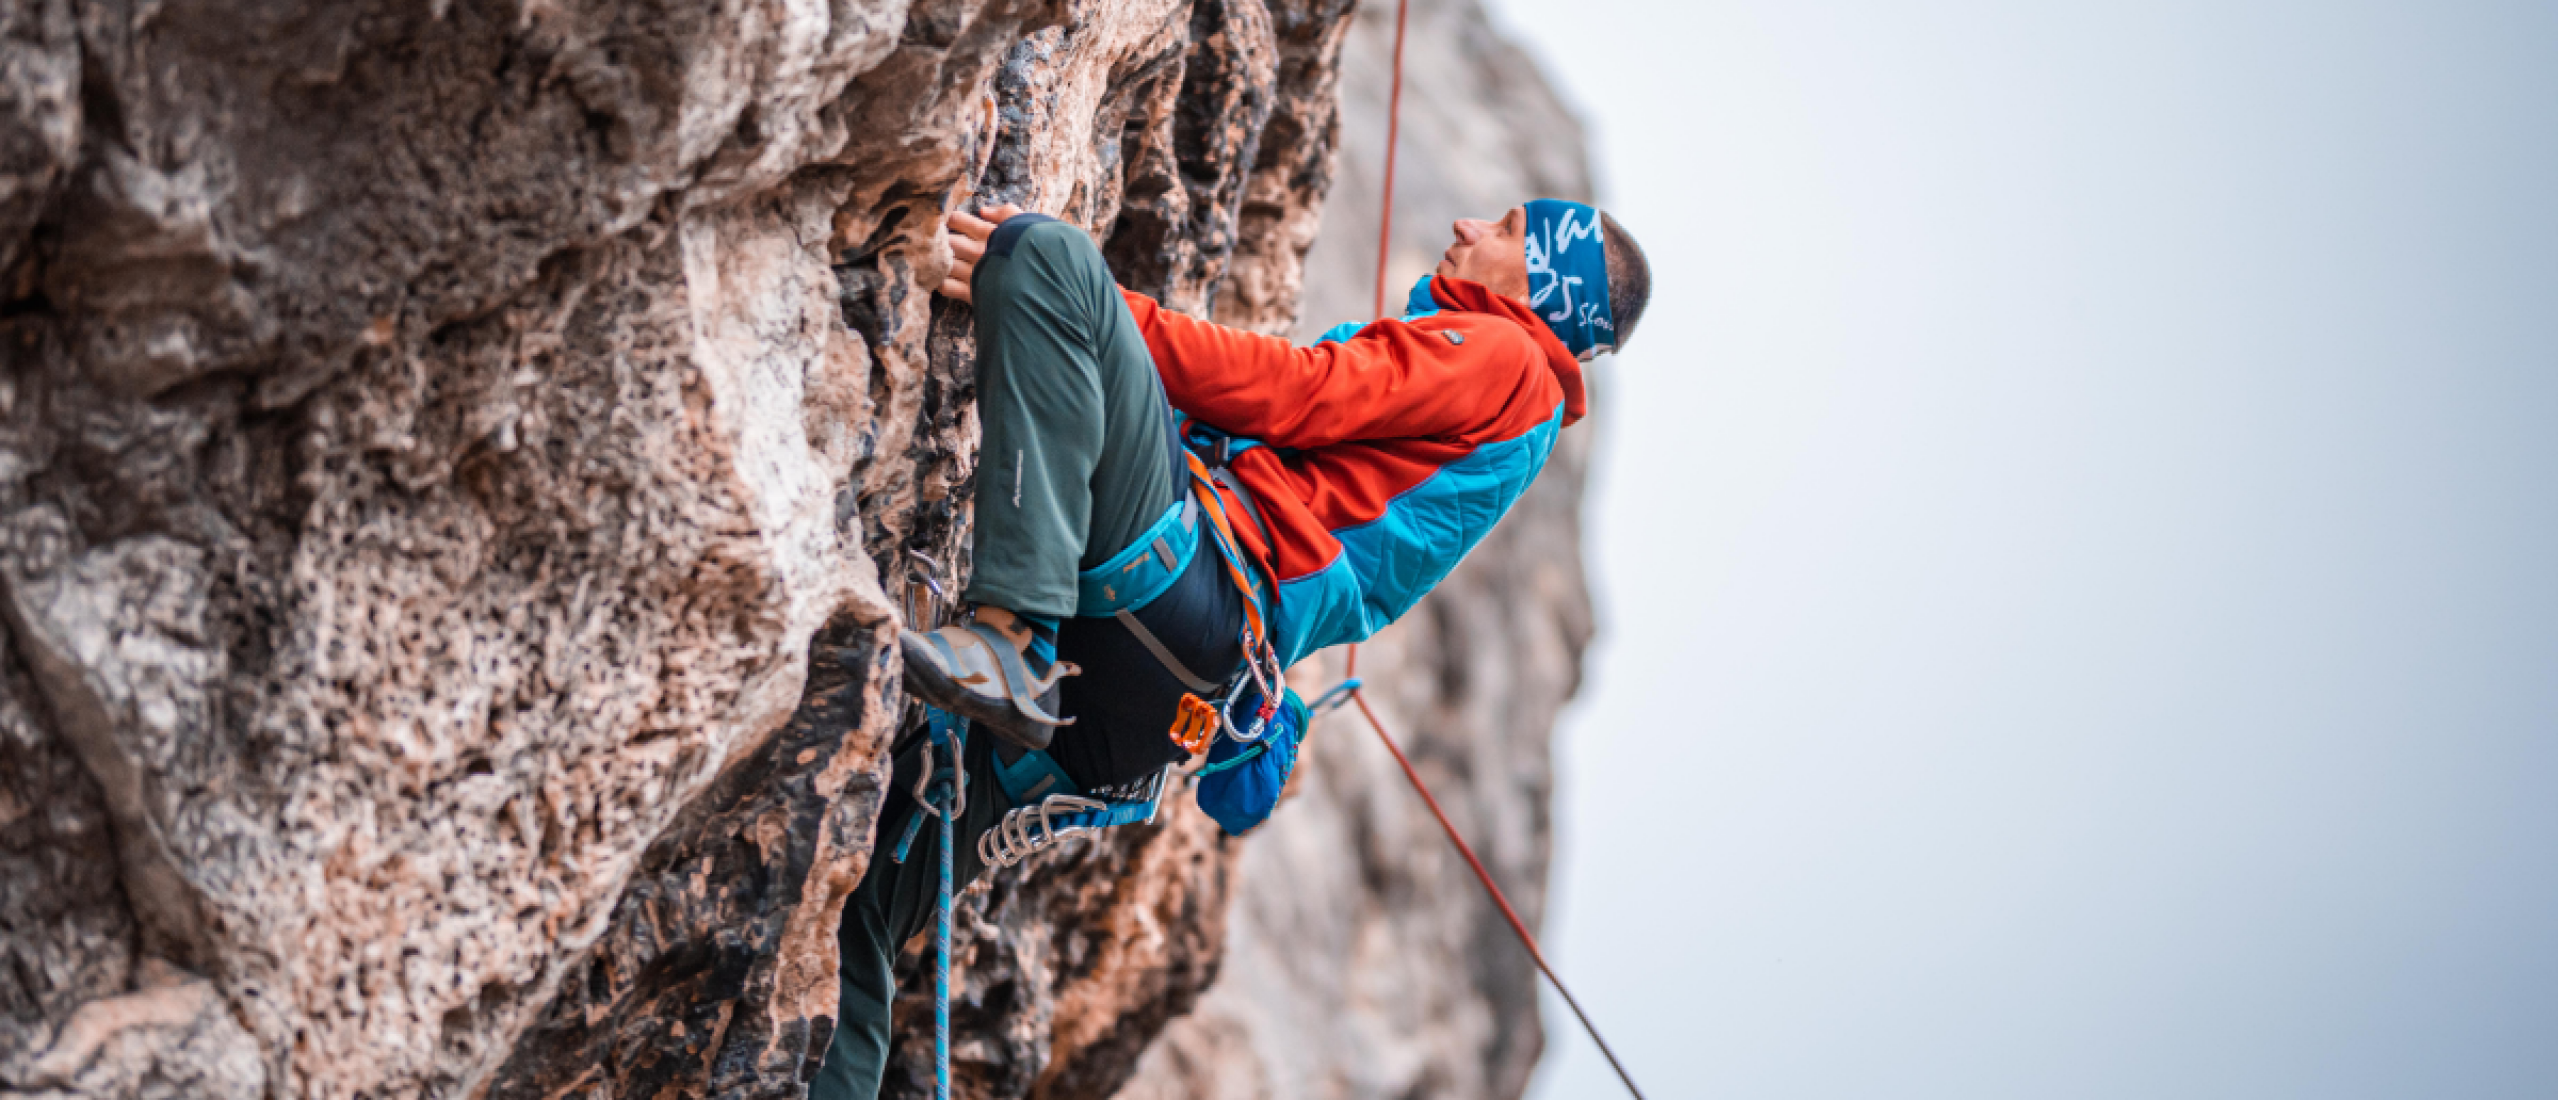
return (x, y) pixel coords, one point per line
(1348, 477)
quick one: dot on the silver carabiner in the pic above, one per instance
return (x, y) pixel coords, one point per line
(930, 567)
(1155, 791)
(958, 782)
(1226, 715)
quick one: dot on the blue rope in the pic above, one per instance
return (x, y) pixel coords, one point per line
(943, 794)
(941, 954)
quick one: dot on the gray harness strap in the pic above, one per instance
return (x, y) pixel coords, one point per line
(1171, 663)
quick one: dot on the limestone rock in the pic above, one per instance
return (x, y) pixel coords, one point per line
(460, 466)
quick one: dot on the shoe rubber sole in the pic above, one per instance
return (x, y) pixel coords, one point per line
(924, 678)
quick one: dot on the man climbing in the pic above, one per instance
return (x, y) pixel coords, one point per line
(1179, 511)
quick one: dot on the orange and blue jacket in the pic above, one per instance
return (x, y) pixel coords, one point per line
(1378, 457)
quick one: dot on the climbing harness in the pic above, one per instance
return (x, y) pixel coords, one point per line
(1156, 559)
(1350, 684)
(1138, 574)
(941, 790)
(1048, 808)
(1146, 569)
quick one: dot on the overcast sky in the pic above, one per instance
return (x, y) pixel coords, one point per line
(2079, 534)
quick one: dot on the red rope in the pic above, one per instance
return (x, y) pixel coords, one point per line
(1394, 122)
(1385, 242)
(1526, 938)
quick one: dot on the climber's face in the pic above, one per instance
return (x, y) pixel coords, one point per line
(1494, 253)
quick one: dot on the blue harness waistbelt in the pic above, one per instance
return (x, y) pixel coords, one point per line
(1145, 569)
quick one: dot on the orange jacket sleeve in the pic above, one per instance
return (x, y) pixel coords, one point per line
(1392, 381)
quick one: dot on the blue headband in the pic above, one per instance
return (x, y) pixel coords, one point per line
(1568, 275)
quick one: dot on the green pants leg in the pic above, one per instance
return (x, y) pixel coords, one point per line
(1075, 461)
(1074, 466)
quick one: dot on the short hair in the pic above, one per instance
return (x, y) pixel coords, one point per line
(1629, 278)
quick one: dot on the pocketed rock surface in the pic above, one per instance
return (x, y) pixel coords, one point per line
(461, 466)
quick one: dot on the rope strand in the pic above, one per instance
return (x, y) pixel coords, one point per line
(1394, 122)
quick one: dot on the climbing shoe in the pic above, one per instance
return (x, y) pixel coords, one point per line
(972, 671)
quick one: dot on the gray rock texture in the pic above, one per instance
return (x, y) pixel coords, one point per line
(461, 464)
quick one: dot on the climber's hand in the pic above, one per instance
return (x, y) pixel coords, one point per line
(968, 233)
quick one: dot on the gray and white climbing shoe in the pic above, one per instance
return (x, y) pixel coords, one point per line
(972, 671)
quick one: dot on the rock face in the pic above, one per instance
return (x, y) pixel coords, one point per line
(1362, 959)
(460, 467)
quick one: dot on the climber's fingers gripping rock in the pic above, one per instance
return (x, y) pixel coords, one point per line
(968, 233)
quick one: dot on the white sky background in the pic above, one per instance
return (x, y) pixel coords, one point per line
(2079, 537)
